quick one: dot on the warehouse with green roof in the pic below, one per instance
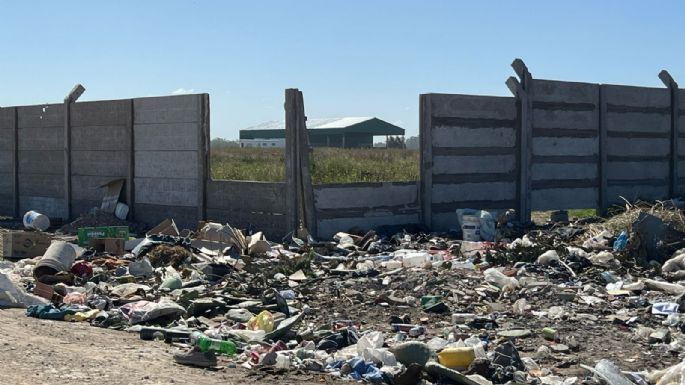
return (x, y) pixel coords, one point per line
(354, 132)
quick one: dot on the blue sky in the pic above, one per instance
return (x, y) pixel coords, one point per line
(350, 58)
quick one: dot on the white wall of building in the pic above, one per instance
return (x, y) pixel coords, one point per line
(263, 143)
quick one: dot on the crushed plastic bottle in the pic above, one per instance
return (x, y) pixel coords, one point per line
(205, 344)
(621, 241)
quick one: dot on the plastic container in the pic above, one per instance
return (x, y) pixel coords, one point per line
(470, 228)
(58, 257)
(205, 344)
(415, 259)
(35, 220)
(457, 358)
(621, 241)
(121, 211)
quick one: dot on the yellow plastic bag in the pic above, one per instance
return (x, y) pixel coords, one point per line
(262, 321)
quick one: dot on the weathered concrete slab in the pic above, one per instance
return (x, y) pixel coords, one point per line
(473, 106)
(41, 138)
(473, 137)
(376, 195)
(87, 187)
(41, 162)
(45, 115)
(565, 119)
(6, 161)
(167, 137)
(633, 193)
(6, 205)
(638, 147)
(6, 118)
(246, 195)
(498, 191)
(101, 113)
(637, 96)
(166, 164)
(6, 140)
(166, 192)
(6, 185)
(638, 122)
(100, 163)
(637, 170)
(110, 138)
(448, 221)
(167, 109)
(565, 146)
(328, 227)
(150, 214)
(564, 198)
(79, 206)
(565, 92)
(41, 185)
(548, 171)
(474, 164)
(52, 207)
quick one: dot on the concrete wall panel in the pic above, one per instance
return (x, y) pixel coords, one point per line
(47, 115)
(6, 161)
(41, 162)
(474, 164)
(633, 193)
(152, 214)
(328, 227)
(473, 137)
(545, 146)
(41, 185)
(637, 96)
(638, 147)
(166, 164)
(41, 138)
(6, 140)
(85, 187)
(6, 187)
(555, 91)
(558, 171)
(6, 118)
(101, 113)
(167, 109)
(496, 191)
(473, 107)
(638, 122)
(52, 207)
(565, 119)
(247, 196)
(637, 170)
(564, 198)
(99, 163)
(105, 137)
(167, 192)
(376, 195)
(166, 137)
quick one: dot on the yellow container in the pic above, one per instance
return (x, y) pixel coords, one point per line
(457, 358)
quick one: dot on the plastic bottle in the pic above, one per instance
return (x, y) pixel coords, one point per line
(205, 344)
(621, 241)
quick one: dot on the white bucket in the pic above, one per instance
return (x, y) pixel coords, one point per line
(36, 220)
(470, 228)
(121, 211)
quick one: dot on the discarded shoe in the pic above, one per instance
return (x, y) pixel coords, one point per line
(194, 357)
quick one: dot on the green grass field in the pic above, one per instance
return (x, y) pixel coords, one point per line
(328, 165)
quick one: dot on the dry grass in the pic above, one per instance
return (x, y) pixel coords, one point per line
(328, 165)
(622, 218)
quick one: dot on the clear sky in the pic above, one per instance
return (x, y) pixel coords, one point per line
(350, 58)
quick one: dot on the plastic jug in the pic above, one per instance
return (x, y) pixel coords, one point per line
(457, 358)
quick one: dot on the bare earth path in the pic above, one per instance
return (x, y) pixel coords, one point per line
(34, 351)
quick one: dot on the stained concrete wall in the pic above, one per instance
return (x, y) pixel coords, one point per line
(469, 157)
(564, 168)
(257, 206)
(7, 159)
(364, 206)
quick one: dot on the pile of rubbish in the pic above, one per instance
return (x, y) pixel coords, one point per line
(591, 300)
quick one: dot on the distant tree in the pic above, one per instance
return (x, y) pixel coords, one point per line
(412, 143)
(219, 143)
(395, 142)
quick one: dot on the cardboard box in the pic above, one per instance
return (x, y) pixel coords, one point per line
(113, 246)
(85, 234)
(23, 244)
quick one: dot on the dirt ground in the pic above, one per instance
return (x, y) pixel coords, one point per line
(35, 351)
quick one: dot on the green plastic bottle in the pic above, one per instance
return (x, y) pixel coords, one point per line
(205, 344)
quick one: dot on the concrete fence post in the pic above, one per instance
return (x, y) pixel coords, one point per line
(305, 178)
(15, 162)
(668, 81)
(522, 90)
(426, 161)
(291, 199)
(71, 98)
(603, 196)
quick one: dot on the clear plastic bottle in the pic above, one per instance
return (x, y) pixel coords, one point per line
(205, 344)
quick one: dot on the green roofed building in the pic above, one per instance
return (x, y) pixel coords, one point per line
(340, 132)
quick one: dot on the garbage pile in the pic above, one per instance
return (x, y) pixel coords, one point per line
(588, 301)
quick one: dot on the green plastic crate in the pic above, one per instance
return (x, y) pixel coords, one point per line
(85, 234)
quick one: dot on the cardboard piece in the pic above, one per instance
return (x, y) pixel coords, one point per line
(85, 234)
(23, 244)
(113, 246)
(43, 290)
(167, 227)
(112, 192)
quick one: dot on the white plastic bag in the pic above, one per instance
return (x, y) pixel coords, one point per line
(500, 280)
